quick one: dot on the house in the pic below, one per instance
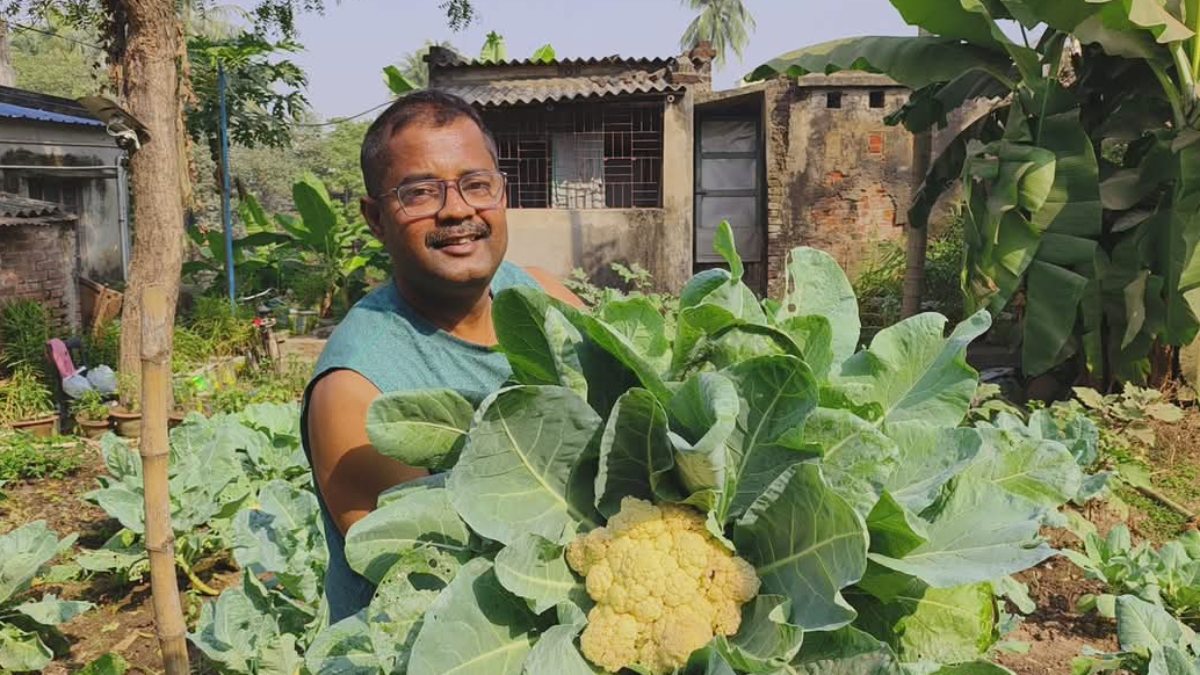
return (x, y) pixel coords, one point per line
(598, 154)
(39, 255)
(52, 149)
(832, 174)
(638, 160)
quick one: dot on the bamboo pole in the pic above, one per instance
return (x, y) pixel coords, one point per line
(155, 452)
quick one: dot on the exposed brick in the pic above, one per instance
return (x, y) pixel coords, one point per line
(39, 264)
(875, 143)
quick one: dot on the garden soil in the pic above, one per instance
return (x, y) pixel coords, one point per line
(123, 619)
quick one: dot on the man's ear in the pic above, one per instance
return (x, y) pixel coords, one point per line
(369, 207)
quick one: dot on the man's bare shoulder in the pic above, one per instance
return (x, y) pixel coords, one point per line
(554, 287)
(336, 389)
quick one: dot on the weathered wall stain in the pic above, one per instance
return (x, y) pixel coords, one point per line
(842, 177)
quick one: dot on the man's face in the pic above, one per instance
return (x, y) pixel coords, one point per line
(460, 246)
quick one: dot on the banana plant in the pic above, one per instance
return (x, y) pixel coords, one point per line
(254, 258)
(321, 241)
(1081, 167)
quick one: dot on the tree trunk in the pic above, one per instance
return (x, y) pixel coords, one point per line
(150, 83)
(916, 239)
(8, 76)
(155, 338)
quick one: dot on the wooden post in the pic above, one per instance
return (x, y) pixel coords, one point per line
(155, 451)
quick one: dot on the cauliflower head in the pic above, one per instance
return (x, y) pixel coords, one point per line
(663, 586)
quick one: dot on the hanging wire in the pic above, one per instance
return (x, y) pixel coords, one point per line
(21, 26)
(339, 120)
(331, 122)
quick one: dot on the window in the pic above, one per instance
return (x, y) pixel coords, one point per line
(581, 156)
(577, 171)
(64, 192)
(876, 99)
(833, 99)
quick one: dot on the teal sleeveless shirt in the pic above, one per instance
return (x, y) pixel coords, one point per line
(383, 339)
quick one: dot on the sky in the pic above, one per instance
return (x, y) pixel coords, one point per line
(347, 47)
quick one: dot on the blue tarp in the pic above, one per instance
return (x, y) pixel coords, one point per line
(22, 113)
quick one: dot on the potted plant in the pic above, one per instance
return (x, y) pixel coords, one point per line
(127, 415)
(187, 400)
(91, 414)
(26, 404)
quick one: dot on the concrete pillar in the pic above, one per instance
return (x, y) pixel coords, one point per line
(676, 243)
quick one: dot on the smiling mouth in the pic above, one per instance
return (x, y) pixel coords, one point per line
(459, 236)
(458, 241)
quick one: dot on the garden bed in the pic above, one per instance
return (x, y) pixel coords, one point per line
(1044, 644)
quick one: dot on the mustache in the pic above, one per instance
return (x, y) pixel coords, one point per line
(444, 234)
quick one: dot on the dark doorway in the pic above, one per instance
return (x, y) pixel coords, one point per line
(729, 184)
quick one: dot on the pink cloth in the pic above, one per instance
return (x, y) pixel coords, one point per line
(61, 357)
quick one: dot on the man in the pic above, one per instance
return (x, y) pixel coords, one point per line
(437, 202)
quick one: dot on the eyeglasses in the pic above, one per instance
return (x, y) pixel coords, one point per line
(423, 198)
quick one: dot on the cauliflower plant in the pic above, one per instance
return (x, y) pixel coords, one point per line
(663, 586)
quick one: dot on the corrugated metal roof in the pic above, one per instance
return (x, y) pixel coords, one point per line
(31, 105)
(22, 113)
(550, 89)
(18, 210)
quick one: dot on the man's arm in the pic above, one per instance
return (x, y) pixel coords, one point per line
(553, 287)
(350, 472)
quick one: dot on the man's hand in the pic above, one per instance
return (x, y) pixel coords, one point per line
(350, 472)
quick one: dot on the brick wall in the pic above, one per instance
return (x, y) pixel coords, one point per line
(38, 262)
(778, 101)
(839, 178)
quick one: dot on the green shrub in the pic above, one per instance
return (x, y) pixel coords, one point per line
(637, 282)
(190, 350)
(24, 396)
(942, 291)
(26, 457)
(105, 346)
(880, 284)
(212, 329)
(90, 405)
(24, 331)
(308, 288)
(261, 384)
(880, 287)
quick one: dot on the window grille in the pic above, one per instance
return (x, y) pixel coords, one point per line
(64, 192)
(581, 155)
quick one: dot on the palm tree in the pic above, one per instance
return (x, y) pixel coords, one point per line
(413, 66)
(724, 24)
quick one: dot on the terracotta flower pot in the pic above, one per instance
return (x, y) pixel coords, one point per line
(128, 424)
(91, 428)
(38, 426)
